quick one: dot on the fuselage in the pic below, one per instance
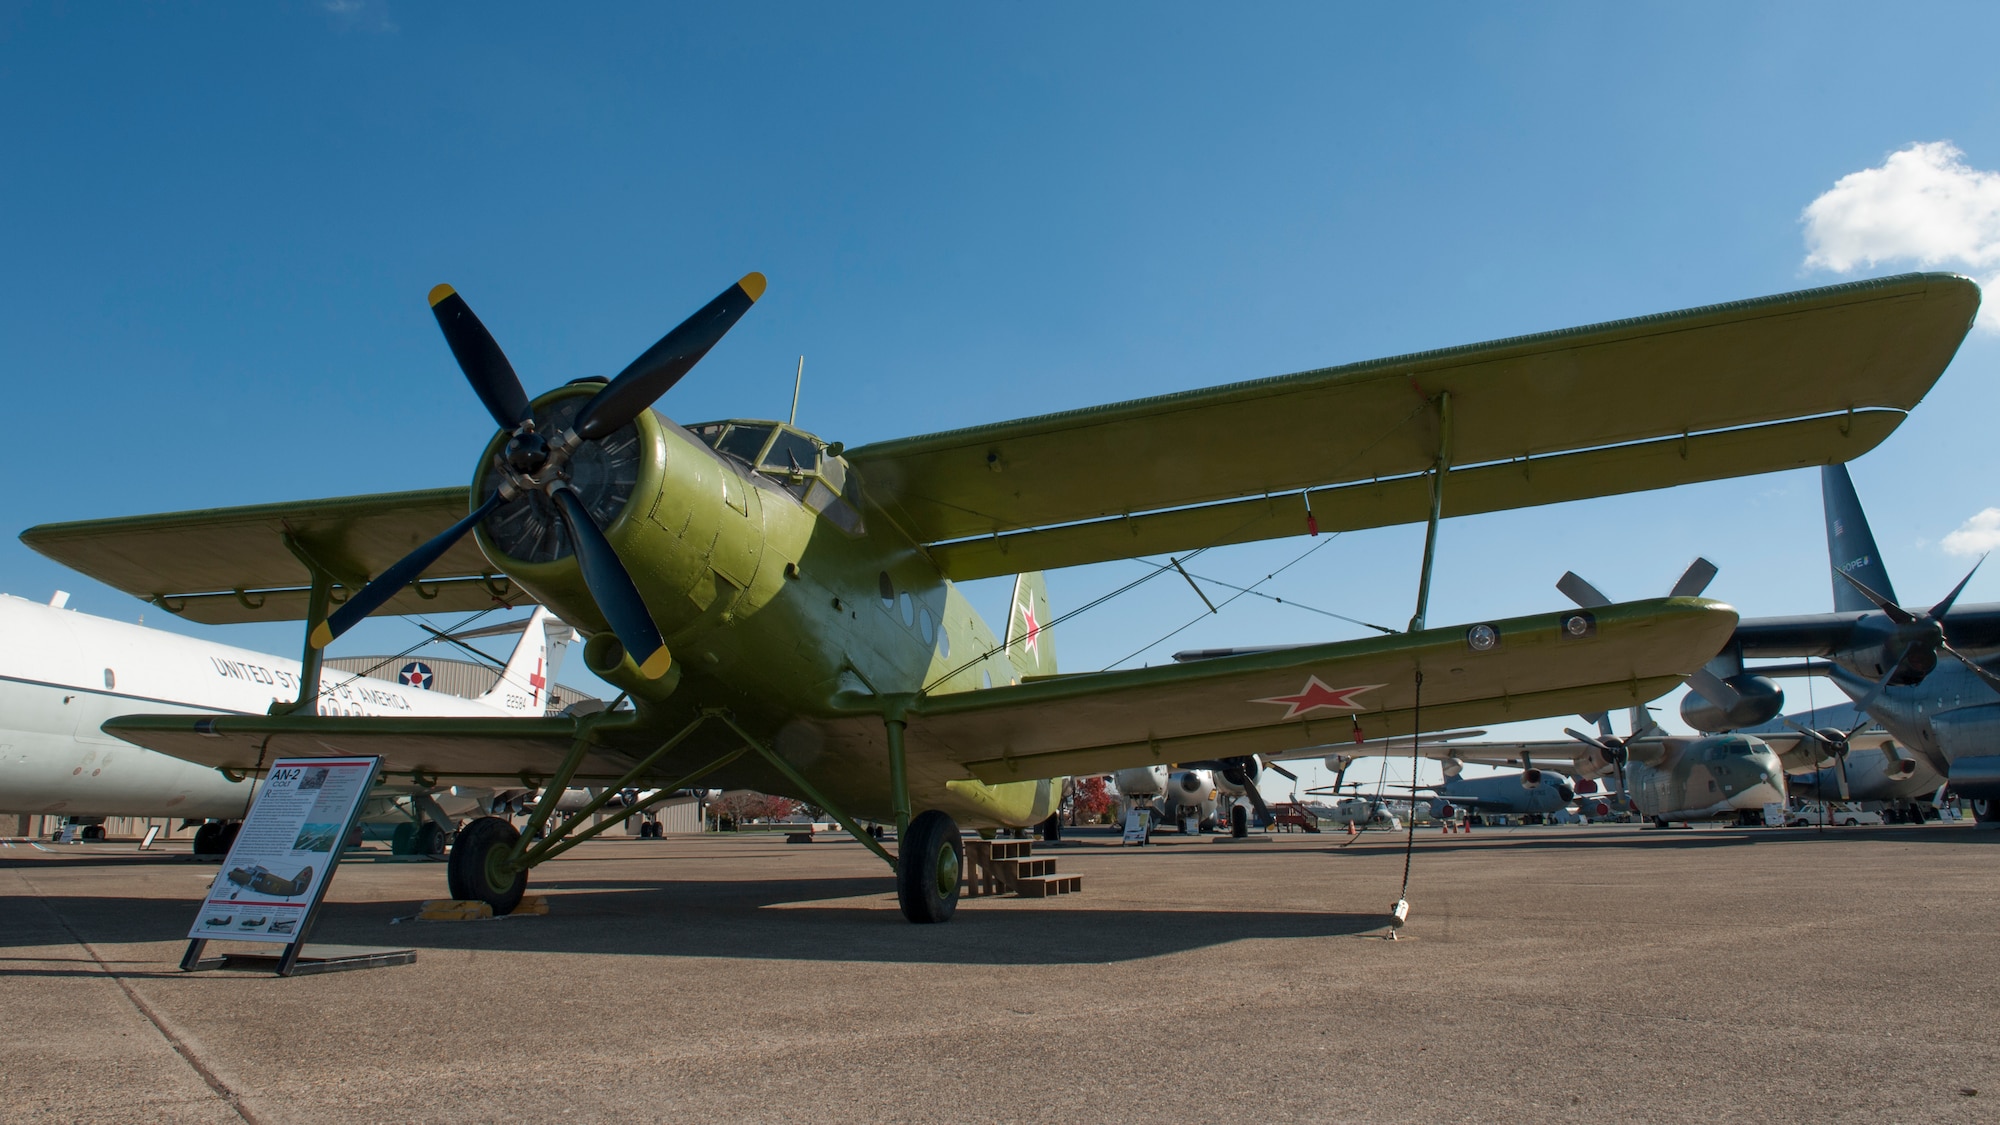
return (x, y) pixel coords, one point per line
(63, 673)
(1507, 793)
(1951, 721)
(784, 596)
(1706, 778)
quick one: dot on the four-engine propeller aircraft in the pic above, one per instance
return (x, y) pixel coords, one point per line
(1885, 658)
(782, 612)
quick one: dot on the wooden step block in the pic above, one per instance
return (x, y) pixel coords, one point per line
(1010, 849)
(1046, 886)
(1024, 868)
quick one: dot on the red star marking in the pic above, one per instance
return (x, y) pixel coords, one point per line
(1316, 695)
(537, 680)
(1034, 627)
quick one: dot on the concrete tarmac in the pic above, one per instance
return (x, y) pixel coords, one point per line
(1583, 974)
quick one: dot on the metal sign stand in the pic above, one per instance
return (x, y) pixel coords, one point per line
(297, 958)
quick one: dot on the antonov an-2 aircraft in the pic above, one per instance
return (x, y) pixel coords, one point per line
(781, 609)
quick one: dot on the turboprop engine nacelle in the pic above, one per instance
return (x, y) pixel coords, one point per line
(1761, 700)
(1189, 789)
(1531, 778)
(1899, 764)
(1146, 781)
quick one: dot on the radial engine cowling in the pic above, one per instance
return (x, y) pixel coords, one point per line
(1760, 701)
(1531, 778)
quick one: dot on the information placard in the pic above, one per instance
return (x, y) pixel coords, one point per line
(286, 850)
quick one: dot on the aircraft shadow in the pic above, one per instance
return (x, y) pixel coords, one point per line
(783, 920)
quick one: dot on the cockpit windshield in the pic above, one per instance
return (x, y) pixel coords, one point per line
(744, 442)
(792, 453)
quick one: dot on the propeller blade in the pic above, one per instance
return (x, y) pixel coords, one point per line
(1573, 587)
(655, 372)
(1840, 773)
(1944, 606)
(401, 573)
(1709, 686)
(1991, 678)
(1257, 802)
(1280, 770)
(1861, 705)
(480, 357)
(611, 587)
(1895, 612)
(1588, 740)
(1694, 579)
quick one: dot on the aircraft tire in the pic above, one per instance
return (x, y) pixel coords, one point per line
(474, 873)
(403, 841)
(208, 839)
(429, 841)
(1986, 811)
(928, 863)
(1052, 828)
(1239, 822)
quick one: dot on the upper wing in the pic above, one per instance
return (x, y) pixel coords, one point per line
(1273, 702)
(243, 564)
(1819, 376)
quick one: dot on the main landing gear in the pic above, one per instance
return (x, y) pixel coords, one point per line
(929, 858)
(482, 865)
(212, 840)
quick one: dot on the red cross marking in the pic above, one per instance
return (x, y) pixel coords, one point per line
(537, 680)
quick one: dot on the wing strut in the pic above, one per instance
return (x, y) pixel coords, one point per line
(1438, 469)
(318, 603)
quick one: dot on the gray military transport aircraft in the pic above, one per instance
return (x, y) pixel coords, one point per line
(1943, 717)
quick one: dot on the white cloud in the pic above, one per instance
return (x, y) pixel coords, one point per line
(1975, 536)
(1924, 205)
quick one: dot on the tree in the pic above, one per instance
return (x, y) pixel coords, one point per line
(741, 805)
(1090, 799)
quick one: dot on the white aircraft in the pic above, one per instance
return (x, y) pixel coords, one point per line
(63, 673)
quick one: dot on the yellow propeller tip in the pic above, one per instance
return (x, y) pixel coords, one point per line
(321, 636)
(657, 664)
(753, 284)
(439, 293)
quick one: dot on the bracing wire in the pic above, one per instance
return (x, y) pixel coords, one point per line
(1416, 738)
(1197, 619)
(326, 688)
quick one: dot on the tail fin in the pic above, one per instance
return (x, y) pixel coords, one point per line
(531, 671)
(1029, 644)
(1850, 546)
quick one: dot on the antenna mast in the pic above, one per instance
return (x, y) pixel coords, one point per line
(797, 381)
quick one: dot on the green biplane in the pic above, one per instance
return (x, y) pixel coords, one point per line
(781, 610)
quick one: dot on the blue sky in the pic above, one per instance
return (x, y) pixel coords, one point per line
(220, 223)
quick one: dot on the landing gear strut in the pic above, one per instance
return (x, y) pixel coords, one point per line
(929, 859)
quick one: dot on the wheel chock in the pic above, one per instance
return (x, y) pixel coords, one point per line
(473, 910)
(454, 910)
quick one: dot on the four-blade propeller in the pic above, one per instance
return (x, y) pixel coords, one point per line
(535, 462)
